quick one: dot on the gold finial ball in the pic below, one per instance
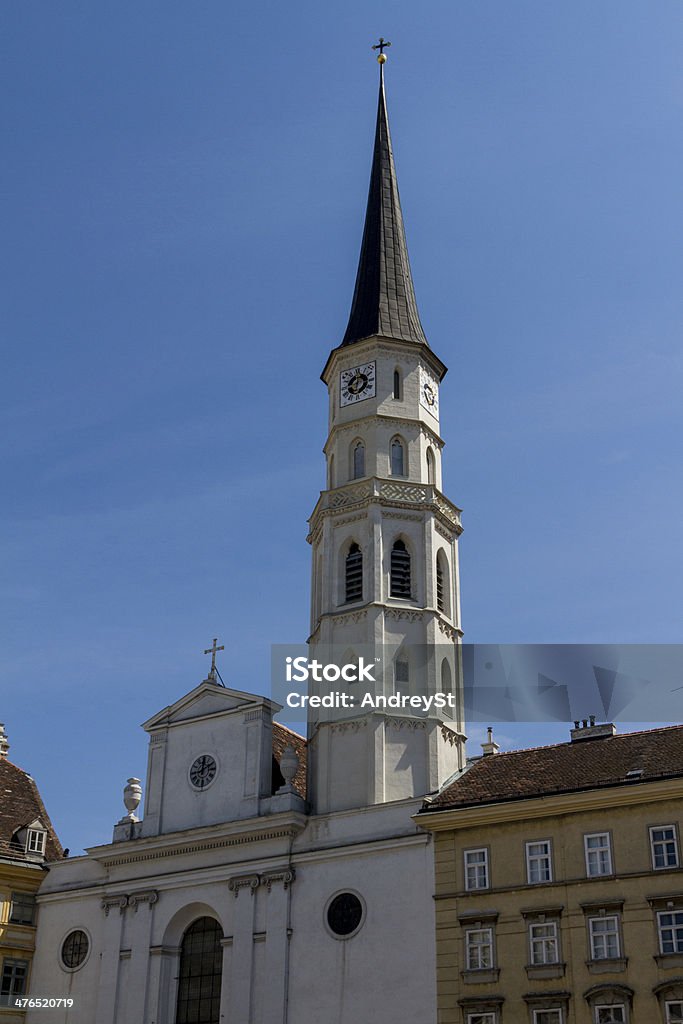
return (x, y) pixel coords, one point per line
(382, 59)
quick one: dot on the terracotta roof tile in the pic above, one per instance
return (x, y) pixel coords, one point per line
(21, 804)
(567, 767)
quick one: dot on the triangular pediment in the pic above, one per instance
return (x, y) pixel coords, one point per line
(208, 699)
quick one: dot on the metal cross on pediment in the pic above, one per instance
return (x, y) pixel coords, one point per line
(213, 651)
(381, 46)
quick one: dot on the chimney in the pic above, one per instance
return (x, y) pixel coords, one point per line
(588, 730)
(4, 742)
(490, 747)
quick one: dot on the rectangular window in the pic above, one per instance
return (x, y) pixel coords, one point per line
(538, 865)
(476, 869)
(664, 846)
(479, 949)
(35, 842)
(543, 943)
(670, 927)
(13, 982)
(598, 854)
(610, 1014)
(547, 1016)
(604, 933)
(23, 908)
(674, 1012)
(481, 1018)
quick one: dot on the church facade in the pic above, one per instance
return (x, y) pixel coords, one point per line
(272, 878)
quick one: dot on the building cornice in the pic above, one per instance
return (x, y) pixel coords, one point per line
(550, 805)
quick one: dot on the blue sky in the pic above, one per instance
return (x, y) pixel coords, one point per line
(183, 190)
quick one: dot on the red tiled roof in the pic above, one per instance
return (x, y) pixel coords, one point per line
(567, 767)
(21, 804)
(283, 738)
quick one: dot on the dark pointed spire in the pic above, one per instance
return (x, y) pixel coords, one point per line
(384, 297)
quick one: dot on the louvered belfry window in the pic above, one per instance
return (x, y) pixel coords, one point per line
(400, 570)
(354, 574)
(439, 585)
(200, 973)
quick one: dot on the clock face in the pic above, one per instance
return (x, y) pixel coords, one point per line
(203, 771)
(357, 384)
(429, 393)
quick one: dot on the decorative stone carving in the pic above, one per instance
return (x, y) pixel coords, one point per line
(354, 726)
(132, 795)
(356, 616)
(145, 896)
(449, 736)
(404, 613)
(286, 876)
(447, 630)
(113, 901)
(250, 882)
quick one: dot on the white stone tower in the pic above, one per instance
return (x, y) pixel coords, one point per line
(384, 538)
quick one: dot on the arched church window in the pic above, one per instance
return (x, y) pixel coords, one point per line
(358, 460)
(331, 471)
(354, 573)
(401, 674)
(400, 570)
(431, 467)
(439, 584)
(397, 458)
(397, 383)
(443, 602)
(200, 973)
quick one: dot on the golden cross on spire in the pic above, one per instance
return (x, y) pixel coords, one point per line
(381, 46)
(212, 651)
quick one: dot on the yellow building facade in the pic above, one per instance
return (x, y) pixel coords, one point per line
(559, 883)
(27, 844)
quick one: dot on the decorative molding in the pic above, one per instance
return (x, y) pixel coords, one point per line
(238, 882)
(286, 876)
(408, 614)
(166, 950)
(113, 901)
(350, 519)
(157, 737)
(407, 723)
(356, 616)
(444, 532)
(403, 515)
(355, 725)
(449, 736)
(447, 630)
(260, 714)
(144, 896)
(286, 832)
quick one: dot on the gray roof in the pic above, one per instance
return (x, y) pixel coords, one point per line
(384, 297)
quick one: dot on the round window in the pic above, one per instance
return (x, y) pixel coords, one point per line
(345, 914)
(75, 949)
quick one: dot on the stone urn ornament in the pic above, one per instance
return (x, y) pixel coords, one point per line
(289, 766)
(132, 795)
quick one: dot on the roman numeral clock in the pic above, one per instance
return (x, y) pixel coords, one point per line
(357, 384)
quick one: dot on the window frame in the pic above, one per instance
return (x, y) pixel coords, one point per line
(667, 1016)
(487, 880)
(550, 1009)
(13, 992)
(555, 938)
(36, 841)
(587, 852)
(482, 1017)
(470, 947)
(602, 918)
(653, 841)
(674, 927)
(610, 1006)
(397, 442)
(25, 899)
(529, 857)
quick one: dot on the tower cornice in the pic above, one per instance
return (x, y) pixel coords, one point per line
(377, 342)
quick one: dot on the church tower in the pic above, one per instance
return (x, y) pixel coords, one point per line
(384, 538)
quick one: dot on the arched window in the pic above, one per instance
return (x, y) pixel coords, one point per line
(354, 573)
(431, 467)
(400, 570)
(358, 460)
(445, 677)
(397, 458)
(443, 595)
(397, 383)
(401, 674)
(331, 484)
(199, 976)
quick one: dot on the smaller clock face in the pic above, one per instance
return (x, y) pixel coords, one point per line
(203, 771)
(357, 384)
(429, 393)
